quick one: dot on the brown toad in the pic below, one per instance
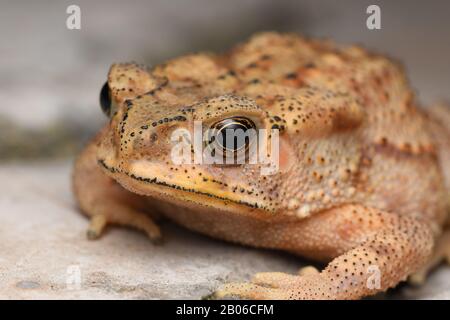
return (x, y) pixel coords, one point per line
(362, 179)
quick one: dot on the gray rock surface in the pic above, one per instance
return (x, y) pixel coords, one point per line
(44, 249)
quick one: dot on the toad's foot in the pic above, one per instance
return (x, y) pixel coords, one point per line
(441, 252)
(393, 247)
(281, 286)
(126, 217)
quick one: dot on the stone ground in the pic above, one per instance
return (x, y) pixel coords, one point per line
(44, 249)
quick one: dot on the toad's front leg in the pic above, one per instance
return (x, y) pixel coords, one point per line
(373, 251)
(105, 201)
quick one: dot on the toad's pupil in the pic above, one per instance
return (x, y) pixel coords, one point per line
(232, 134)
(232, 137)
(105, 99)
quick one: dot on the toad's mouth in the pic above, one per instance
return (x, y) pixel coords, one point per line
(157, 187)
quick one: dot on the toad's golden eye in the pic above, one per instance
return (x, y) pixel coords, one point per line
(233, 134)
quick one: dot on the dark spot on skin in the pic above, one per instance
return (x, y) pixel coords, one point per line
(310, 65)
(180, 118)
(291, 75)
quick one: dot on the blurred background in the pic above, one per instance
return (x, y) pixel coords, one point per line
(50, 76)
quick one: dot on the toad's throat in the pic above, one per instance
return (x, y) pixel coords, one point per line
(158, 182)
